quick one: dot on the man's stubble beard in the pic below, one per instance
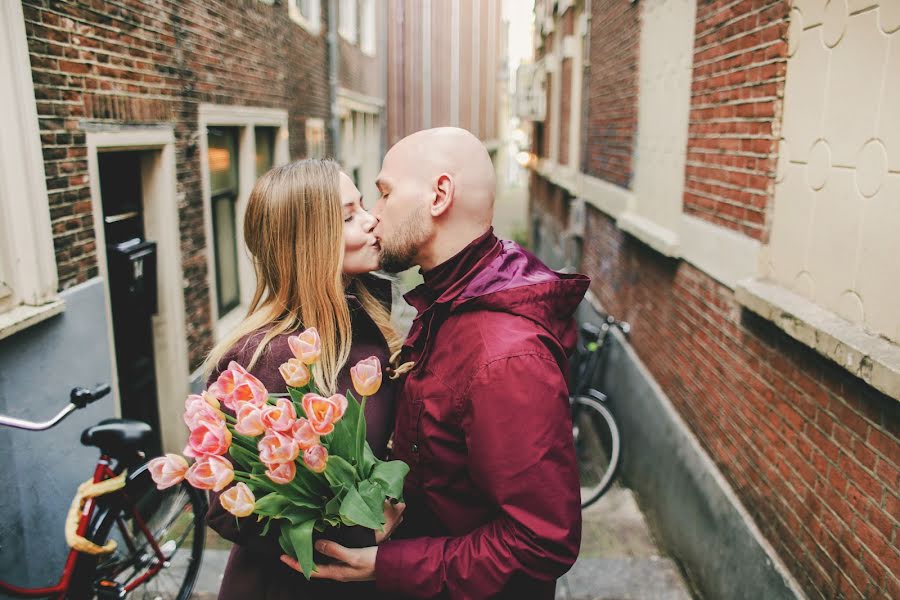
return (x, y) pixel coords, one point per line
(400, 253)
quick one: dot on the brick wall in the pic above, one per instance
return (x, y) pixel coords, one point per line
(358, 71)
(142, 63)
(812, 452)
(612, 88)
(740, 56)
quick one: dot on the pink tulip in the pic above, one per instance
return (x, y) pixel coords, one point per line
(167, 470)
(223, 387)
(249, 420)
(279, 417)
(307, 346)
(316, 458)
(322, 412)
(283, 473)
(235, 386)
(238, 500)
(197, 407)
(303, 433)
(248, 388)
(210, 473)
(275, 447)
(208, 437)
(295, 373)
(366, 376)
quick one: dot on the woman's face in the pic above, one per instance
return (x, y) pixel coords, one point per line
(361, 251)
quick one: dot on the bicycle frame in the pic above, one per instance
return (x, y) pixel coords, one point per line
(101, 472)
(59, 591)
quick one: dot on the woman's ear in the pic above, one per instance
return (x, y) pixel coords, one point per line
(443, 195)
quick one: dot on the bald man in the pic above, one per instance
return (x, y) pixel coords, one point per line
(493, 498)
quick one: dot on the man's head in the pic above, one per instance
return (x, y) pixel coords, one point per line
(437, 195)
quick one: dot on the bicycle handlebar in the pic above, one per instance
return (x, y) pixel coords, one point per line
(80, 397)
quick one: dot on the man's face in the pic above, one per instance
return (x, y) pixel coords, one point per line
(404, 223)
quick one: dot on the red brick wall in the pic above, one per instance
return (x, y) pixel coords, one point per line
(612, 89)
(812, 451)
(141, 63)
(740, 56)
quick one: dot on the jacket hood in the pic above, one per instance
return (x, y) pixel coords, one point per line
(511, 279)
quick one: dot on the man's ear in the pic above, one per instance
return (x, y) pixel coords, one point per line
(443, 195)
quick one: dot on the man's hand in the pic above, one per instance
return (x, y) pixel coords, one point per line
(393, 516)
(357, 564)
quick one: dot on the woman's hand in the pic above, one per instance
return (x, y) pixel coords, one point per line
(393, 516)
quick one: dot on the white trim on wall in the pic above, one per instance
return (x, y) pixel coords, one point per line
(454, 63)
(313, 24)
(27, 257)
(426, 64)
(721, 253)
(161, 224)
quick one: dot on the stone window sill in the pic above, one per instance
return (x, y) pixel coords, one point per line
(873, 359)
(658, 237)
(22, 317)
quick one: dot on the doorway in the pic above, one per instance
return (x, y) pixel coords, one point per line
(131, 266)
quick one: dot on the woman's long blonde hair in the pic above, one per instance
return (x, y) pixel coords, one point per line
(293, 228)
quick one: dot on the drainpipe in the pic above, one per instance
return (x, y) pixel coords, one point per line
(335, 123)
(383, 38)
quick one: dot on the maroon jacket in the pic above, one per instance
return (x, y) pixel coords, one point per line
(254, 569)
(493, 498)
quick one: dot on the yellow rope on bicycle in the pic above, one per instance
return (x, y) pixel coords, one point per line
(86, 490)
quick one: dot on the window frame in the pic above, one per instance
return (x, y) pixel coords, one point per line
(246, 119)
(368, 28)
(311, 23)
(27, 256)
(348, 25)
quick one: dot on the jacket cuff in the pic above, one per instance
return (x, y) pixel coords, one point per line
(393, 562)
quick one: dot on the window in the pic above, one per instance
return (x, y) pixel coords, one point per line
(348, 24)
(306, 13)
(223, 178)
(265, 149)
(27, 262)
(315, 138)
(367, 27)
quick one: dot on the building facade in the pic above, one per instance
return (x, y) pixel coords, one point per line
(136, 131)
(446, 67)
(726, 173)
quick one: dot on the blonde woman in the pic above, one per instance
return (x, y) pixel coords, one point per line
(312, 247)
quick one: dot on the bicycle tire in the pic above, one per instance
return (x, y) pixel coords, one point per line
(151, 504)
(598, 426)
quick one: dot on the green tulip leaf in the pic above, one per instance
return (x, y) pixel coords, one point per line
(300, 537)
(355, 511)
(340, 474)
(390, 475)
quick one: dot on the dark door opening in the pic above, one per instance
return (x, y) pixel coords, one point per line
(131, 267)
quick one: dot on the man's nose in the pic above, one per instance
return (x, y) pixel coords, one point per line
(370, 222)
(376, 210)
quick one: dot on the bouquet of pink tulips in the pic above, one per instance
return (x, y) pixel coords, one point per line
(299, 458)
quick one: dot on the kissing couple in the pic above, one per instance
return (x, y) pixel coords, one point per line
(477, 405)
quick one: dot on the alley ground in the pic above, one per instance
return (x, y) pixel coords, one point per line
(618, 560)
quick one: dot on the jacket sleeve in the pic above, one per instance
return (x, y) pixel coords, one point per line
(521, 456)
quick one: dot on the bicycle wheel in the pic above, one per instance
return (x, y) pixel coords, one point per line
(175, 518)
(597, 447)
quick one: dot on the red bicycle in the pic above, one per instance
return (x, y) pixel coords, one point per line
(128, 539)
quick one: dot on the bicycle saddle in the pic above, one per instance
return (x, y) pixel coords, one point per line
(118, 437)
